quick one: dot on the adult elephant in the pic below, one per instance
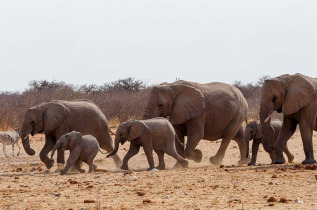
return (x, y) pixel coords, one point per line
(201, 111)
(59, 117)
(296, 97)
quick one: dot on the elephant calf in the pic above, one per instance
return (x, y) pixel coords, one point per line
(253, 131)
(157, 133)
(82, 148)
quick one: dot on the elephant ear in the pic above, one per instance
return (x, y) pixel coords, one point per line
(189, 102)
(74, 139)
(136, 130)
(54, 115)
(299, 94)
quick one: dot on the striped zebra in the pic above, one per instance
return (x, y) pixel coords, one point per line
(10, 138)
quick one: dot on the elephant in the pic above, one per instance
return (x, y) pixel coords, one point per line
(253, 131)
(157, 133)
(82, 148)
(58, 117)
(296, 97)
(209, 111)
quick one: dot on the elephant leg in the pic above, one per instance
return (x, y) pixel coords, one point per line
(217, 159)
(148, 150)
(172, 152)
(19, 148)
(90, 161)
(244, 155)
(73, 157)
(181, 137)
(4, 146)
(160, 155)
(134, 149)
(195, 133)
(78, 164)
(306, 126)
(48, 146)
(255, 149)
(106, 144)
(289, 155)
(287, 130)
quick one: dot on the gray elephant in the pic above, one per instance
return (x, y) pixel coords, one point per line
(253, 131)
(82, 148)
(157, 134)
(201, 111)
(56, 118)
(296, 97)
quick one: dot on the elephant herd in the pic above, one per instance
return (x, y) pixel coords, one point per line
(199, 111)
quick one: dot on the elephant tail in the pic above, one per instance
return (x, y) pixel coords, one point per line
(112, 133)
(177, 141)
(102, 152)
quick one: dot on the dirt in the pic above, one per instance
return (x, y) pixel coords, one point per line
(27, 184)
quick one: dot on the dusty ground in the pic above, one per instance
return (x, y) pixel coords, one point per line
(26, 184)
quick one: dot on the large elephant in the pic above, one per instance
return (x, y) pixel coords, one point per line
(296, 97)
(57, 118)
(201, 111)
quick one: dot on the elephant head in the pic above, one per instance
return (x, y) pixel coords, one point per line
(179, 102)
(128, 131)
(252, 131)
(43, 118)
(285, 94)
(67, 142)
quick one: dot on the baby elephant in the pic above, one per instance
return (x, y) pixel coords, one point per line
(82, 148)
(157, 133)
(253, 131)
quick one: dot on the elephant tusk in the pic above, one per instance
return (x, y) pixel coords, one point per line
(26, 137)
(267, 118)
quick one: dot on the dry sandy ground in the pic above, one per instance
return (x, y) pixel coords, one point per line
(26, 184)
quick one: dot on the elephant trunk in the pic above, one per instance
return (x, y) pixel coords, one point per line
(116, 146)
(247, 139)
(26, 142)
(53, 150)
(147, 114)
(265, 120)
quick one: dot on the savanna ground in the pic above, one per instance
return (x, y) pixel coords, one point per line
(26, 184)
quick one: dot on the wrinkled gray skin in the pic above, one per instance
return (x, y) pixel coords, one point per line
(209, 111)
(56, 118)
(82, 148)
(296, 97)
(157, 134)
(253, 132)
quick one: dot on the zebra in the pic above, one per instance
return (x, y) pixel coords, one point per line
(10, 138)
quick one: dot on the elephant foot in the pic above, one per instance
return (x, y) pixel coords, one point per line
(309, 161)
(49, 163)
(280, 160)
(94, 166)
(124, 167)
(63, 172)
(184, 164)
(150, 168)
(177, 165)
(251, 164)
(290, 158)
(243, 161)
(82, 171)
(216, 161)
(160, 167)
(60, 166)
(197, 156)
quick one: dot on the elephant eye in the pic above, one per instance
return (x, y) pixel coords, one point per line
(32, 122)
(160, 105)
(274, 99)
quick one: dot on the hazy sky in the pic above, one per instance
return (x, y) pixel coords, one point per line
(84, 42)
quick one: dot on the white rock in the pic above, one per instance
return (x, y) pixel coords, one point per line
(82, 208)
(298, 200)
(167, 196)
(186, 193)
(154, 170)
